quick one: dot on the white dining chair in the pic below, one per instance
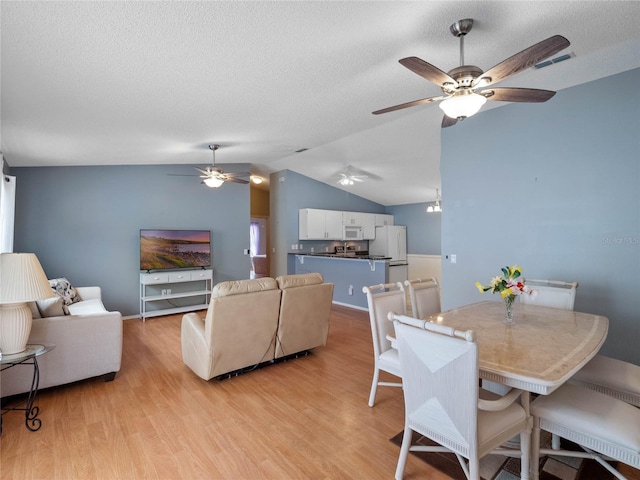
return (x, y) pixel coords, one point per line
(605, 427)
(424, 295)
(616, 378)
(441, 396)
(551, 293)
(382, 299)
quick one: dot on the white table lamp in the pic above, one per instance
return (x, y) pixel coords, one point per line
(22, 280)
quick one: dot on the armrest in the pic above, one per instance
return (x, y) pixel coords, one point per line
(501, 403)
(394, 341)
(89, 293)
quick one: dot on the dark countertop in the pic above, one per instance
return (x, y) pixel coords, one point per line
(341, 256)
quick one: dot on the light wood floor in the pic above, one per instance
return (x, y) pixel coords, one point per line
(304, 419)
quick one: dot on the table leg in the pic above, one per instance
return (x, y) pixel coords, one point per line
(31, 420)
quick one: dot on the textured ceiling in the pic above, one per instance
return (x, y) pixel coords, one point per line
(96, 83)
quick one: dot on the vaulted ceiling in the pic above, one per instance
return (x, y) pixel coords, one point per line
(100, 83)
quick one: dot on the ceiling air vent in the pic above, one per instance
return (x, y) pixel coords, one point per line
(559, 59)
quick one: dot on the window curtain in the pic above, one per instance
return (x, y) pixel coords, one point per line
(7, 211)
(254, 238)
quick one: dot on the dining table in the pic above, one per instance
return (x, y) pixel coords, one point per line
(540, 351)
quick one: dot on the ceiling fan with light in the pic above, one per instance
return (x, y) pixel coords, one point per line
(214, 177)
(465, 87)
(349, 177)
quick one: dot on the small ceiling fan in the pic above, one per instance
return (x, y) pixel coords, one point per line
(349, 176)
(214, 177)
(464, 87)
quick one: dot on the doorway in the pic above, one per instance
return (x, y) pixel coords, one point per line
(259, 247)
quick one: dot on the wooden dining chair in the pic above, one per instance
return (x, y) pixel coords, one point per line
(382, 299)
(424, 295)
(605, 427)
(441, 395)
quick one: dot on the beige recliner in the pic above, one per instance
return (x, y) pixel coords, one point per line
(238, 331)
(304, 313)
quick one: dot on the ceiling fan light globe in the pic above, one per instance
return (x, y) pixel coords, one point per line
(213, 182)
(463, 104)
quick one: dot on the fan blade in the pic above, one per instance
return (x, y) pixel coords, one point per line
(427, 71)
(517, 94)
(180, 175)
(409, 104)
(358, 179)
(448, 121)
(236, 180)
(204, 172)
(523, 60)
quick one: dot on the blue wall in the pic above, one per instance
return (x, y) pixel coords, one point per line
(555, 188)
(423, 229)
(83, 222)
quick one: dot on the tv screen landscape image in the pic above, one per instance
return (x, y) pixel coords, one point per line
(170, 249)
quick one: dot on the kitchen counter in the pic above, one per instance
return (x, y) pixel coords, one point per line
(348, 256)
(348, 273)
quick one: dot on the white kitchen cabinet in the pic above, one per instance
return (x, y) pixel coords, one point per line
(383, 219)
(369, 226)
(315, 224)
(352, 219)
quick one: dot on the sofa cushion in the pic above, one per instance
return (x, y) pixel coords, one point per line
(50, 307)
(35, 313)
(87, 307)
(62, 287)
(291, 281)
(238, 287)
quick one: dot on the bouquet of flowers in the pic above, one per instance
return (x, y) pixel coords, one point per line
(508, 284)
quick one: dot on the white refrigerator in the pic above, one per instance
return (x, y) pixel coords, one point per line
(391, 241)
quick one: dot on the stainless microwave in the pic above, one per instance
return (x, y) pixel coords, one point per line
(352, 233)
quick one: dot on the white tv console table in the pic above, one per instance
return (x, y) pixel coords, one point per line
(159, 290)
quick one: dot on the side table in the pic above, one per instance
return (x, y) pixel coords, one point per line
(26, 357)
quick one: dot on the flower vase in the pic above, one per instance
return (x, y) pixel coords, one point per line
(508, 303)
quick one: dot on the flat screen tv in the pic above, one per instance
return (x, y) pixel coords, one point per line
(170, 249)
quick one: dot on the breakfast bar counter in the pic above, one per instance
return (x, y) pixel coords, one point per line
(349, 273)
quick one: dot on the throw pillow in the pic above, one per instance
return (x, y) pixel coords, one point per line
(35, 313)
(65, 291)
(50, 307)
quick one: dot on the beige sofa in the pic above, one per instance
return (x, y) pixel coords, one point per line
(252, 322)
(88, 344)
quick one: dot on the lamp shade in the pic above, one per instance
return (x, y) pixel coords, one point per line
(22, 279)
(213, 182)
(462, 104)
